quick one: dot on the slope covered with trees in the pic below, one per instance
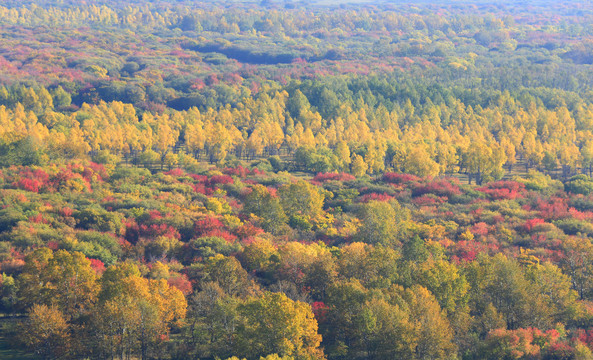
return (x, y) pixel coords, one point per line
(296, 180)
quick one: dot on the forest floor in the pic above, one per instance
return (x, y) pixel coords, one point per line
(7, 346)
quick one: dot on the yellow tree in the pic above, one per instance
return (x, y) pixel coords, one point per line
(418, 161)
(135, 313)
(275, 324)
(58, 278)
(195, 138)
(165, 136)
(357, 166)
(568, 154)
(46, 332)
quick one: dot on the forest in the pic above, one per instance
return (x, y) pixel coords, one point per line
(284, 180)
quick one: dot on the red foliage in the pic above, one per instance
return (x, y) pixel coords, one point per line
(66, 211)
(175, 172)
(93, 172)
(182, 283)
(206, 225)
(586, 337)
(202, 189)
(467, 251)
(220, 180)
(227, 236)
(211, 79)
(199, 178)
(429, 200)
(320, 310)
(239, 171)
(31, 185)
(560, 350)
(532, 343)
(38, 219)
(441, 187)
(248, 230)
(155, 215)
(554, 209)
(480, 228)
(531, 223)
(156, 230)
(500, 190)
(323, 177)
(257, 171)
(395, 178)
(97, 265)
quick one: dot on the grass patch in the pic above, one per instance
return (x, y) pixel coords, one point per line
(8, 350)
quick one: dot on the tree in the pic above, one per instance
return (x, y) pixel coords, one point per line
(135, 314)
(382, 223)
(261, 203)
(388, 330)
(302, 199)
(212, 320)
(357, 166)
(46, 332)
(274, 324)
(484, 160)
(503, 283)
(228, 273)
(419, 162)
(59, 278)
(578, 264)
(433, 331)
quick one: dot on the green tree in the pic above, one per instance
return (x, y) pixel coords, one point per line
(261, 203)
(382, 223)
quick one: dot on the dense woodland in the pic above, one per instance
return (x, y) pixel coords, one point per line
(296, 180)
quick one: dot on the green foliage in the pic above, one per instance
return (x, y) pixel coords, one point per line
(382, 223)
(579, 184)
(27, 151)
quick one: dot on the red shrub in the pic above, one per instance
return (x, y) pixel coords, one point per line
(480, 228)
(202, 189)
(239, 171)
(206, 225)
(26, 184)
(248, 230)
(155, 215)
(438, 187)
(554, 209)
(38, 219)
(429, 200)
(156, 230)
(220, 180)
(323, 177)
(199, 178)
(177, 172)
(395, 178)
(503, 190)
(227, 236)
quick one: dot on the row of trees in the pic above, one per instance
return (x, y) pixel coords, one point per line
(425, 140)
